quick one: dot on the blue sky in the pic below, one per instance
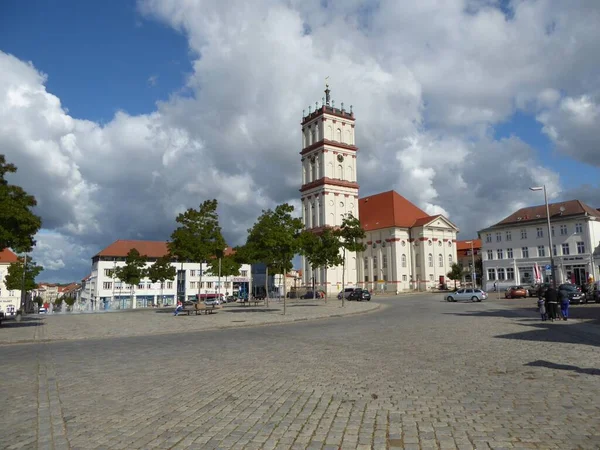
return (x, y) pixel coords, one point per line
(233, 77)
(107, 45)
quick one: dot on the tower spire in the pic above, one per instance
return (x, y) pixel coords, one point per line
(327, 91)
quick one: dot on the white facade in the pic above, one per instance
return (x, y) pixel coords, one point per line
(400, 259)
(329, 188)
(101, 289)
(509, 252)
(9, 300)
(396, 258)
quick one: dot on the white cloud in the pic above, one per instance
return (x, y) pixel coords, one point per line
(426, 79)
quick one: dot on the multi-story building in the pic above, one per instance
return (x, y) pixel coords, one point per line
(100, 290)
(512, 248)
(406, 247)
(47, 292)
(467, 252)
(10, 300)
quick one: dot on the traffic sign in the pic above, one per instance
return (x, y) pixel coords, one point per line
(548, 267)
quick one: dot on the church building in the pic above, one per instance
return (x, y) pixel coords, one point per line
(407, 249)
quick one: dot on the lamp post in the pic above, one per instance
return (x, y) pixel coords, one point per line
(543, 188)
(473, 275)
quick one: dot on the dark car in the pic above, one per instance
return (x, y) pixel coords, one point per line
(573, 292)
(310, 294)
(359, 295)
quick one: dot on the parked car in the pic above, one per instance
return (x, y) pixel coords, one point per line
(310, 294)
(574, 293)
(359, 295)
(475, 295)
(516, 292)
(346, 292)
(42, 310)
(211, 301)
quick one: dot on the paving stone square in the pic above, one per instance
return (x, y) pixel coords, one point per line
(417, 372)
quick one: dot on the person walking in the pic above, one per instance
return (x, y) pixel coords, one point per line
(564, 304)
(551, 302)
(542, 308)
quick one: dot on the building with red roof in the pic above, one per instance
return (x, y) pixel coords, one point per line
(9, 299)
(406, 247)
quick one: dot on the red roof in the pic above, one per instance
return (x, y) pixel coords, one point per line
(462, 245)
(425, 220)
(389, 209)
(6, 256)
(151, 249)
(532, 213)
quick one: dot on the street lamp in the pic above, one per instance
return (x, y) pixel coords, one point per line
(543, 188)
(473, 274)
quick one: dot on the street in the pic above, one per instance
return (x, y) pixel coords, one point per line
(417, 373)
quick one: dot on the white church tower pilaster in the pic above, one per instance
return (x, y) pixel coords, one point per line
(329, 183)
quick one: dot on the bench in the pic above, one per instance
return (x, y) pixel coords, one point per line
(199, 307)
(253, 301)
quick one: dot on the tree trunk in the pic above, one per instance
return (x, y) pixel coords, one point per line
(219, 279)
(267, 286)
(343, 276)
(284, 292)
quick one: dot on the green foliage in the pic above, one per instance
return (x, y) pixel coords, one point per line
(38, 300)
(229, 266)
(58, 301)
(70, 301)
(456, 273)
(274, 239)
(18, 225)
(162, 270)
(134, 269)
(350, 234)
(14, 277)
(198, 237)
(321, 250)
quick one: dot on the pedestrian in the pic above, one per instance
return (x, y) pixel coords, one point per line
(564, 304)
(542, 308)
(178, 308)
(495, 286)
(551, 302)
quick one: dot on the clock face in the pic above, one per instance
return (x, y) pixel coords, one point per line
(340, 158)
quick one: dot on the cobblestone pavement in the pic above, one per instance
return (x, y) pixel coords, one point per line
(77, 326)
(419, 373)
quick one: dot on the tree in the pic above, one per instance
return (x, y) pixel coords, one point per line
(133, 271)
(69, 300)
(161, 271)
(350, 235)
(274, 240)
(455, 273)
(21, 276)
(18, 225)
(198, 238)
(227, 266)
(322, 250)
(38, 300)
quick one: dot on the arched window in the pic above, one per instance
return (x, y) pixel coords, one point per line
(329, 133)
(330, 172)
(321, 216)
(403, 259)
(307, 137)
(349, 173)
(417, 260)
(304, 181)
(314, 215)
(340, 173)
(306, 216)
(430, 260)
(348, 137)
(338, 135)
(313, 170)
(313, 136)
(450, 260)
(441, 260)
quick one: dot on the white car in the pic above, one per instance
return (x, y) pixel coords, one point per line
(42, 310)
(475, 295)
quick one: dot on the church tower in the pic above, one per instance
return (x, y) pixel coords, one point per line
(329, 185)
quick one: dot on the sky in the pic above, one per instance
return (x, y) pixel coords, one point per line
(119, 115)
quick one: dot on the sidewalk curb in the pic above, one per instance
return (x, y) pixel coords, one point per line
(375, 307)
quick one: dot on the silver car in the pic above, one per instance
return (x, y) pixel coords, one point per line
(475, 295)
